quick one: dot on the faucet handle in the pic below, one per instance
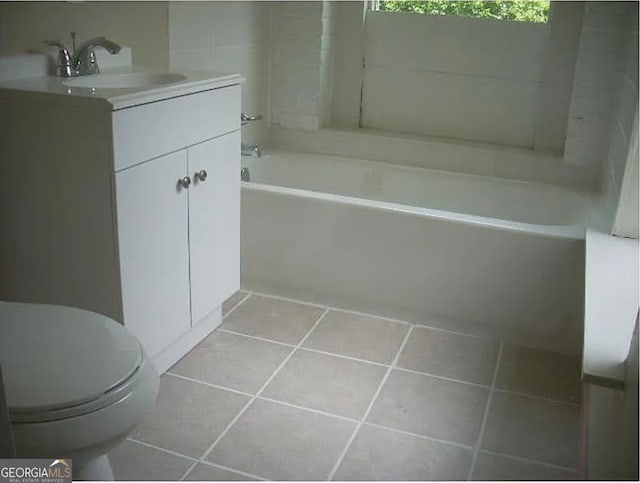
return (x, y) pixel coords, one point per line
(64, 65)
(245, 118)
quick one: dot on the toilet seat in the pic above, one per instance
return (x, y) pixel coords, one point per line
(63, 362)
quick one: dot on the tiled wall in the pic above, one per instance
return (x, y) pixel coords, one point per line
(603, 110)
(140, 25)
(469, 95)
(227, 37)
(601, 59)
(455, 77)
(620, 170)
(301, 61)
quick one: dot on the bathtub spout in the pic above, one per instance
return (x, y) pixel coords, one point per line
(250, 150)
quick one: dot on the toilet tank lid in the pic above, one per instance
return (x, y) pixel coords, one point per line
(54, 357)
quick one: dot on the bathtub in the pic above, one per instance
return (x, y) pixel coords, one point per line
(480, 255)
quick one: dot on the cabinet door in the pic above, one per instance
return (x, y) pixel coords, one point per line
(214, 223)
(152, 213)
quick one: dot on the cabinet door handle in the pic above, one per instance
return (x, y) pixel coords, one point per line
(184, 182)
(201, 175)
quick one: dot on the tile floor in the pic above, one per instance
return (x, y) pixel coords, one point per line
(291, 391)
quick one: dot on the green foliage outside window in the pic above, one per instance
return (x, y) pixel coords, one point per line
(520, 10)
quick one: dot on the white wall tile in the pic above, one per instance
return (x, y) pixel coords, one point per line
(300, 63)
(225, 37)
(600, 94)
(601, 16)
(188, 30)
(295, 120)
(437, 104)
(485, 47)
(600, 67)
(627, 106)
(587, 128)
(595, 107)
(604, 40)
(618, 153)
(587, 152)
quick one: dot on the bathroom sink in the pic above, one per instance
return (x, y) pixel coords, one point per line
(124, 80)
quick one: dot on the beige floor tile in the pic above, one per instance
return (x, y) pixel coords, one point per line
(203, 472)
(274, 319)
(232, 301)
(327, 383)
(540, 373)
(532, 428)
(380, 454)
(188, 416)
(445, 410)
(134, 462)
(449, 355)
(232, 361)
(283, 443)
(360, 336)
(492, 467)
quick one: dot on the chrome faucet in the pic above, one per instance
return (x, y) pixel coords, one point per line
(83, 61)
(250, 150)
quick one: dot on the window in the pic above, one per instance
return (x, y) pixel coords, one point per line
(518, 10)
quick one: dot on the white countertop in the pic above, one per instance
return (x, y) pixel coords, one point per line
(611, 306)
(54, 88)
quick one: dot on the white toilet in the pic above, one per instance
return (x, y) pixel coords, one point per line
(75, 382)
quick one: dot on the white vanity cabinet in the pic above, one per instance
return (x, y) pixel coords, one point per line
(179, 244)
(94, 211)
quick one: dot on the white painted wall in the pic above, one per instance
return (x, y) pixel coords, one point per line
(227, 37)
(140, 25)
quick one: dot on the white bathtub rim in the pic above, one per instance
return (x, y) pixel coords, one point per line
(574, 231)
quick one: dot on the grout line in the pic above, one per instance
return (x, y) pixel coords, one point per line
(527, 460)
(443, 378)
(370, 406)
(248, 294)
(357, 359)
(164, 450)
(540, 398)
(380, 364)
(288, 299)
(189, 470)
(335, 309)
(418, 325)
(342, 356)
(210, 384)
(486, 414)
(233, 470)
(255, 337)
(305, 408)
(246, 406)
(417, 435)
(191, 458)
